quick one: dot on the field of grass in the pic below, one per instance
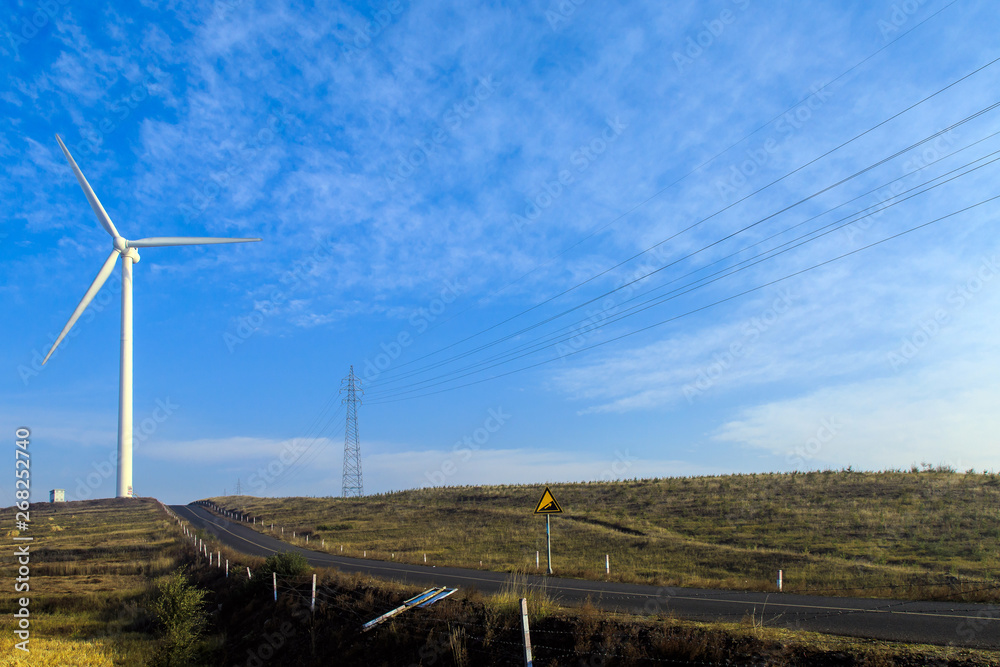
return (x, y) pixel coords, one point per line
(469, 629)
(92, 565)
(912, 534)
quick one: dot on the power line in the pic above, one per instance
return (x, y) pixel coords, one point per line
(310, 453)
(638, 279)
(696, 310)
(556, 338)
(601, 322)
(735, 203)
(597, 229)
(815, 234)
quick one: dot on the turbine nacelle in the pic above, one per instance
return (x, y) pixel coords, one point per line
(125, 250)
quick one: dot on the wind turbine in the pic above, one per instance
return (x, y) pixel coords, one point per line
(127, 250)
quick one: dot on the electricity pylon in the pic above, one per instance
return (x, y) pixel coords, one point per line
(353, 485)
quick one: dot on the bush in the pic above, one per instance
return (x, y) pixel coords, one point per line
(178, 608)
(287, 564)
(335, 526)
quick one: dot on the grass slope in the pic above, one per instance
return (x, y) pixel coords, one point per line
(92, 563)
(889, 534)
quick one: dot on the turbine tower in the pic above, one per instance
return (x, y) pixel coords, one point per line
(353, 485)
(127, 250)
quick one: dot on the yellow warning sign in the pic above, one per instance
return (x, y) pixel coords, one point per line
(548, 504)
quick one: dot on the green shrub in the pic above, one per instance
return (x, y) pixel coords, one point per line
(287, 564)
(335, 526)
(179, 609)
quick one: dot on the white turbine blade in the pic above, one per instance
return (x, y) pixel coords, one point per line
(161, 241)
(102, 215)
(95, 287)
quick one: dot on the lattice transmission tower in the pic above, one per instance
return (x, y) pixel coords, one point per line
(353, 485)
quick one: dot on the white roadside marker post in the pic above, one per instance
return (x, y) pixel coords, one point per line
(525, 632)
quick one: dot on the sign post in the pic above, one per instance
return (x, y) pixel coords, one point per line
(548, 540)
(548, 506)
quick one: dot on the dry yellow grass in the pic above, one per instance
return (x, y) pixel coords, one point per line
(92, 563)
(51, 646)
(892, 534)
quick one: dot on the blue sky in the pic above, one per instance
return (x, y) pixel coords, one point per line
(437, 183)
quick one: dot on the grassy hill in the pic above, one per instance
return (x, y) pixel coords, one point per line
(923, 534)
(92, 564)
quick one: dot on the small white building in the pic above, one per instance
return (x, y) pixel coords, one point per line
(57, 496)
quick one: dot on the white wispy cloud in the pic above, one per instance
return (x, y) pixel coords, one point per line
(940, 415)
(244, 120)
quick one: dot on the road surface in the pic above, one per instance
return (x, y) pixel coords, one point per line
(945, 623)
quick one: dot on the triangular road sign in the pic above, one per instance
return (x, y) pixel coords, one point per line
(548, 504)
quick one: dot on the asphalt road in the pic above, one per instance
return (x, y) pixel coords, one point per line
(946, 623)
